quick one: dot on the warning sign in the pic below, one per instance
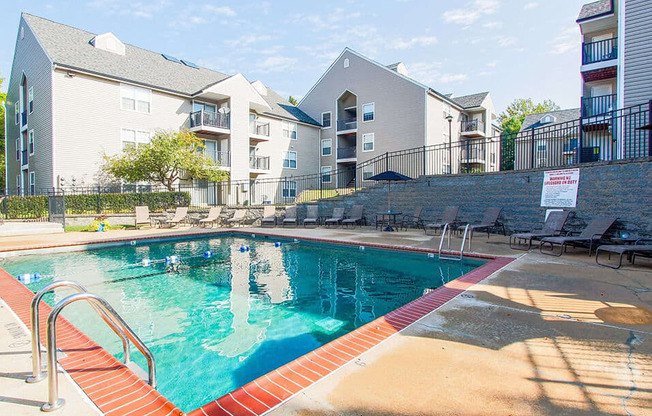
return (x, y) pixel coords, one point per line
(560, 188)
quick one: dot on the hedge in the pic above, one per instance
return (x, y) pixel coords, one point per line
(37, 206)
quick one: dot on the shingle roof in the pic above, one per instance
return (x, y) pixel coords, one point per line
(470, 101)
(595, 9)
(561, 116)
(71, 48)
(282, 107)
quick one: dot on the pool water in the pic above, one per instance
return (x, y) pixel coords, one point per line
(215, 324)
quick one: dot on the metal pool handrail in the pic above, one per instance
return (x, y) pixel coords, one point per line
(54, 402)
(37, 374)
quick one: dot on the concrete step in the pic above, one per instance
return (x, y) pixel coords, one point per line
(29, 228)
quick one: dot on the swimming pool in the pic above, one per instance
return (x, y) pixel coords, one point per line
(216, 323)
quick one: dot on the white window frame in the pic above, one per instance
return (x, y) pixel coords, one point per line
(367, 172)
(327, 170)
(289, 186)
(30, 99)
(330, 119)
(373, 112)
(131, 92)
(133, 142)
(346, 62)
(17, 112)
(373, 142)
(32, 183)
(286, 156)
(288, 129)
(18, 149)
(330, 153)
(30, 142)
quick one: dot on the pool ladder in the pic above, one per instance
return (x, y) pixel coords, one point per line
(106, 312)
(447, 231)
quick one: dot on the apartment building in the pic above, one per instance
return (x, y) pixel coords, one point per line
(367, 109)
(616, 65)
(75, 96)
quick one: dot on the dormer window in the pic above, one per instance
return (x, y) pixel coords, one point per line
(547, 119)
(109, 42)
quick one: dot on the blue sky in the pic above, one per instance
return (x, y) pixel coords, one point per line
(513, 48)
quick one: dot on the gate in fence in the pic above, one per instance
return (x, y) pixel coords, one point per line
(57, 207)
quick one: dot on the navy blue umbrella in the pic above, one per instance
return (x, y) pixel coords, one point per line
(389, 176)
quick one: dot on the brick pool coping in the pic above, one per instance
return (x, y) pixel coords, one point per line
(118, 391)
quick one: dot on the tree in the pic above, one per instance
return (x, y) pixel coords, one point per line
(168, 157)
(3, 98)
(511, 121)
(292, 100)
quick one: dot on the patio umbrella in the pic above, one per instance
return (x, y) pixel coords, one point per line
(389, 176)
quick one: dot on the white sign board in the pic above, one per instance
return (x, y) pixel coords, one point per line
(560, 188)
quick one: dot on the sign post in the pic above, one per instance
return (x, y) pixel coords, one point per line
(560, 188)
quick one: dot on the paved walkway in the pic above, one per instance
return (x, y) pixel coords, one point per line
(543, 336)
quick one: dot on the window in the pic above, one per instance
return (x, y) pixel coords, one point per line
(368, 112)
(135, 99)
(22, 32)
(326, 174)
(326, 119)
(17, 112)
(18, 149)
(142, 137)
(31, 142)
(368, 142)
(30, 100)
(346, 62)
(492, 158)
(327, 147)
(290, 160)
(290, 130)
(289, 189)
(32, 183)
(132, 138)
(209, 108)
(367, 172)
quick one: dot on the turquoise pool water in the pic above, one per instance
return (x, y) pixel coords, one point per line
(215, 324)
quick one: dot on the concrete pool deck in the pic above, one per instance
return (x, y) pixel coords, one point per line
(543, 335)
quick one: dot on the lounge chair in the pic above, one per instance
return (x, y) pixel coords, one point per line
(336, 219)
(142, 216)
(551, 228)
(212, 218)
(269, 216)
(450, 217)
(488, 223)
(355, 218)
(180, 215)
(238, 217)
(413, 220)
(593, 232)
(312, 216)
(632, 250)
(290, 216)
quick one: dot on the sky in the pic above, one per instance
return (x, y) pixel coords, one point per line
(512, 48)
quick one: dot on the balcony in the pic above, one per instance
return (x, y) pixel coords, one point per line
(347, 125)
(209, 122)
(259, 132)
(599, 51)
(259, 164)
(346, 153)
(472, 128)
(23, 158)
(474, 155)
(222, 158)
(600, 105)
(23, 120)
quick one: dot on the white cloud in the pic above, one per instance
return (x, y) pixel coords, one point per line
(471, 12)
(505, 41)
(246, 40)
(128, 8)
(492, 64)
(530, 5)
(277, 64)
(416, 41)
(452, 78)
(568, 41)
(221, 10)
(493, 25)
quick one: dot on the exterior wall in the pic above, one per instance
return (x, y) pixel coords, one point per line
(89, 123)
(399, 106)
(31, 59)
(638, 52)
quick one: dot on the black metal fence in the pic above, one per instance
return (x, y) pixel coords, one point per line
(611, 135)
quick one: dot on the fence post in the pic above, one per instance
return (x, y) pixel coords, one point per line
(386, 161)
(649, 132)
(424, 160)
(532, 150)
(99, 199)
(468, 150)
(4, 202)
(580, 140)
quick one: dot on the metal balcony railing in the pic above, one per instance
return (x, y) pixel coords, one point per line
(346, 152)
(259, 162)
(350, 124)
(474, 153)
(210, 119)
(593, 106)
(472, 125)
(599, 51)
(259, 129)
(223, 158)
(23, 157)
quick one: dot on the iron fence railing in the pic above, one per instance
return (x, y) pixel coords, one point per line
(599, 51)
(616, 135)
(210, 119)
(259, 162)
(350, 124)
(472, 125)
(346, 152)
(259, 129)
(223, 158)
(593, 106)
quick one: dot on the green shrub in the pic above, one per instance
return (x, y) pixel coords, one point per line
(25, 206)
